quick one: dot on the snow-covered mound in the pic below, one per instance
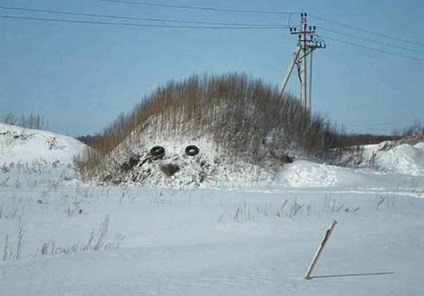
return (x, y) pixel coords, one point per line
(388, 157)
(215, 165)
(27, 146)
(210, 167)
(385, 161)
(404, 159)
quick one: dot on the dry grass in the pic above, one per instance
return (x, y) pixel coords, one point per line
(245, 116)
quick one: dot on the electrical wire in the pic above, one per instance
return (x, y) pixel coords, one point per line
(137, 18)
(138, 25)
(203, 24)
(189, 7)
(372, 48)
(409, 42)
(371, 40)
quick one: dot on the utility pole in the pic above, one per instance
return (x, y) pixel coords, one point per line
(307, 43)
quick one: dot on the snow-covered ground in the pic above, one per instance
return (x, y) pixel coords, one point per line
(59, 236)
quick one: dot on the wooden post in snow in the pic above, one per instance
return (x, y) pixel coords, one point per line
(320, 248)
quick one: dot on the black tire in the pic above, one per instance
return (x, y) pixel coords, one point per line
(157, 151)
(192, 150)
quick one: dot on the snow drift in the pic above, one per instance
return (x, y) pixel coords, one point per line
(27, 146)
(388, 157)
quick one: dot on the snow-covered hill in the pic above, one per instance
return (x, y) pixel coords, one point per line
(27, 146)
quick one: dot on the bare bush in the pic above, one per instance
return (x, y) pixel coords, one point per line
(412, 135)
(246, 117)
(32, 121)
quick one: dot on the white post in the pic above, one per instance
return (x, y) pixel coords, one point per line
(320, 248)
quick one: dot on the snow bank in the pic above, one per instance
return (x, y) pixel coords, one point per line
(403, 159)
(27, 146)
(388, 157)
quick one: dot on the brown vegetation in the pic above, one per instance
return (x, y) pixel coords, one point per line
(246, 117)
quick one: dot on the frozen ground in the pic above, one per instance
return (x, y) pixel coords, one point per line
(59, 236)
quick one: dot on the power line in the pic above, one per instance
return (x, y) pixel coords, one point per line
(368, 31)
(138, 18)
(138, 25)
(371, 40)
(204, 24)
(372, 48)
(214, 9)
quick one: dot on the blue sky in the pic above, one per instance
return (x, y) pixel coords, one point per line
(80, 77)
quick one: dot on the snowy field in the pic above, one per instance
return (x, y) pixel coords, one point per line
(59, 236)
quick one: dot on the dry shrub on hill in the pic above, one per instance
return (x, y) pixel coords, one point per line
(245, 116)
